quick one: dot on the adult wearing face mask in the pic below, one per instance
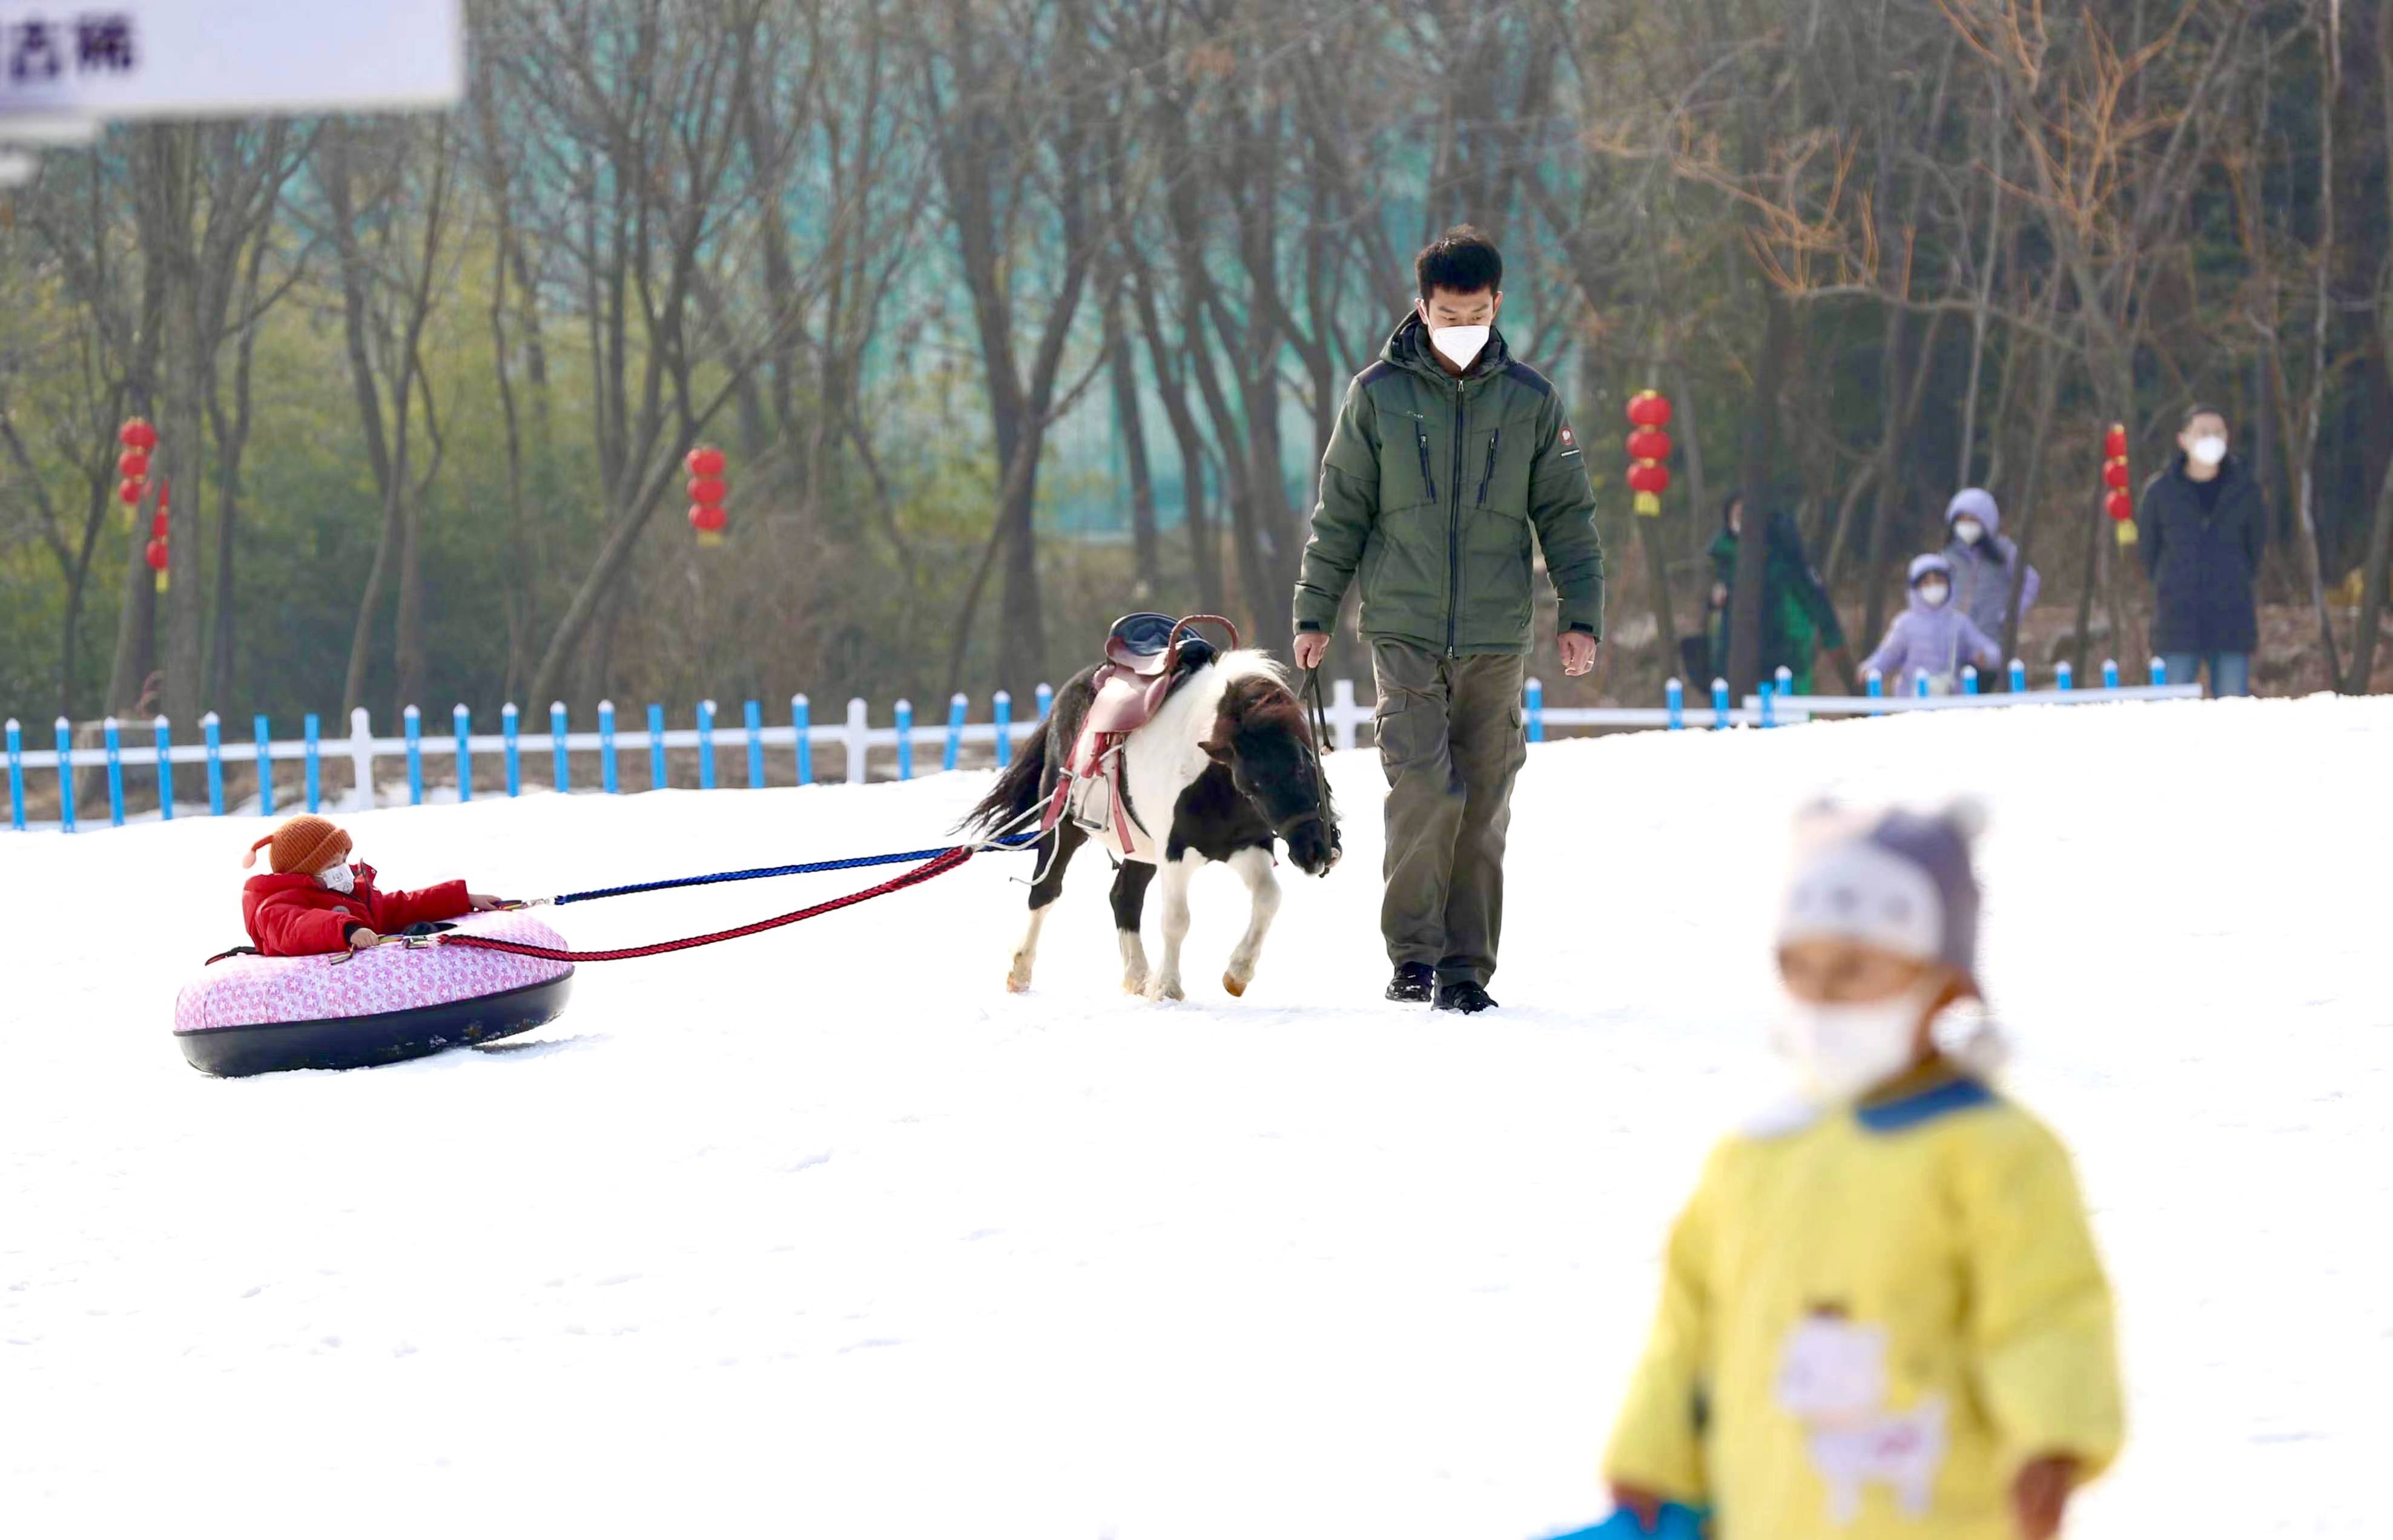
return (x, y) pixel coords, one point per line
(1798, 619)
(2202, 524)
(1983, 562)
(1932, 639)
(1451, 467)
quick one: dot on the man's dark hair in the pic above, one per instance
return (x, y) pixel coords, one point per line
(1462, 260)
(2198, 410)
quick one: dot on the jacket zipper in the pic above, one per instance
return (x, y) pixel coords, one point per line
(1489, 475)
(1420, 438)
(1453, 534)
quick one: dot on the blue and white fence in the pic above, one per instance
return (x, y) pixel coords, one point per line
(854, 740)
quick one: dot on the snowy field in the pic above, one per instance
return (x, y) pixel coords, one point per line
(822, 1234)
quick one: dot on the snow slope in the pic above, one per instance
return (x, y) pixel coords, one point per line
(823, 1233)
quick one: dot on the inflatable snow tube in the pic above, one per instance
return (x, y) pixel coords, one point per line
(248, 1015)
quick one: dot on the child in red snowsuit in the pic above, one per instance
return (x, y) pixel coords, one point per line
(314, 901)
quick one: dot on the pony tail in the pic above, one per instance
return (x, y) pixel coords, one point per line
(249, 856)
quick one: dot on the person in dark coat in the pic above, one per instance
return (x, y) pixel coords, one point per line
(2202, 524)
(1798, 618)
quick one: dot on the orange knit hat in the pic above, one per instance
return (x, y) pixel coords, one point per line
(307, 845)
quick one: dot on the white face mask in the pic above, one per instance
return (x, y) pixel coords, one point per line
(1459, 344)
(340, 878)
(1969, 530)
(1935, 594)
(1840, 1052)
(2210, 451)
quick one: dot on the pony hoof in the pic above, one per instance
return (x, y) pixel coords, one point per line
(1234, 983)
(1161, 990)
(1133, 984)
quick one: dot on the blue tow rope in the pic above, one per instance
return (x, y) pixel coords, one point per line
(1016, 842)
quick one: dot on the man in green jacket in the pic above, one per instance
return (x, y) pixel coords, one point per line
(1450, 466)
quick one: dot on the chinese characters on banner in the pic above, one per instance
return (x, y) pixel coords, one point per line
(41, 48)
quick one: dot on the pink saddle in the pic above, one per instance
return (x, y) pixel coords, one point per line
(1131, 686)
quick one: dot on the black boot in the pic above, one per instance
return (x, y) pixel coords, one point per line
(1463, 995)
(1413, 984)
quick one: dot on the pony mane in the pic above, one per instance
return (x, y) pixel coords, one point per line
(1251, 663)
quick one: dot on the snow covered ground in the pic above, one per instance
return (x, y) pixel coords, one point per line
(823, 1233)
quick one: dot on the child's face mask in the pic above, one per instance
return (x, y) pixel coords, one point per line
(1968, 530)
(340, 877)
(1934, 595)
(1840, 1050)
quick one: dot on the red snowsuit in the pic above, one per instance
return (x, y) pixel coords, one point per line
(290, 914)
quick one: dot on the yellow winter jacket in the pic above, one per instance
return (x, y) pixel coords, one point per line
(1870, 1320)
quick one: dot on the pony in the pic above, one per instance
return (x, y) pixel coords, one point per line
(1225, 766)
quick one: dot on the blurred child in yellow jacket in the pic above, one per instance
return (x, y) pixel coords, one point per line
(1882, 1314)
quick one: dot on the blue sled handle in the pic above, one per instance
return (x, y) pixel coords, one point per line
(1677, 1522)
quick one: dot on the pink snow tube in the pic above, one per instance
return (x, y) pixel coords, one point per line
(247, 1016)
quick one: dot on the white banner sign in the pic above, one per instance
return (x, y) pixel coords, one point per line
(191, 58)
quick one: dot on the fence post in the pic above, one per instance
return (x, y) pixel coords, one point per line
(706, 746)
(315, 775)
(16, 776)
(905, 741)
(1719, 704)
(1046, 701)
(264, 765)
(560, 768)
(463, 721)
(2110, 674)
(606, 746)
(2019, 677)
(1919, 687)
(752, 714)
(657, 781)
(2063, 676)
(1874, 683)
(860, 723)
(1770, 703)
(1675, 695)
(1785, 678)
(412, 731)
(1345, 715)
(510, 727)
(1001, 708)
(361, 773)
(956, 708)
(165, 768)
(1968, 679)
(65, 730)
(1534, 710)
(802, 723)
(211, 729)
(115, 773)
(2160, 671)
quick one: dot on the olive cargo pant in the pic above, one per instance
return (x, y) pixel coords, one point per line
(1451, 742)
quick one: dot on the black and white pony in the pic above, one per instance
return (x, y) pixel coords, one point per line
(1226, 765)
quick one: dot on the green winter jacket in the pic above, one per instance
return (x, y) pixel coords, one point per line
(1432, 490)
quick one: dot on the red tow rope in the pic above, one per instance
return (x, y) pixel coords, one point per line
(946, 861)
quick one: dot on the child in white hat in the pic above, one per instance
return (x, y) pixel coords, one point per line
(1882, 1314)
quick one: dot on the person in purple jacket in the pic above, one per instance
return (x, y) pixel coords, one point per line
(1983, 562)
(1932, 639)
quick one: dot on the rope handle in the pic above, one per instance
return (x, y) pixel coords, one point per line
(940, 864)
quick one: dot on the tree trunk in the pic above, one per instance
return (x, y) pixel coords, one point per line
(1752, 476)
(1146, 542)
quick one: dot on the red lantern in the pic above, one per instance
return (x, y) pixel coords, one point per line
(2114, 443)
(1649, 409)
(705, 460)
(2114, 474)
(1649, 480)
(706, 490)
(133, 464)
(138, 433)
(129, 492)
(1649, 444)
(709, 522)
(155, 554)
(2120, 506)
(158, 525)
